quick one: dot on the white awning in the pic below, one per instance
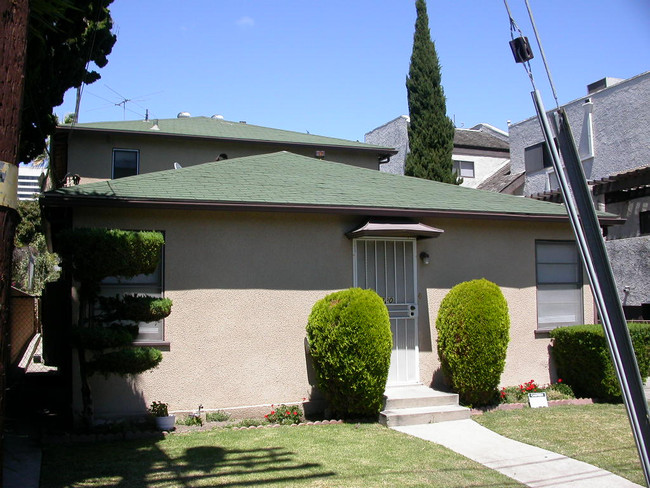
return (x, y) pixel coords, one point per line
(395, 229)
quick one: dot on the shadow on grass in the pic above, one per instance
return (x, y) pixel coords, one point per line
(147, 464)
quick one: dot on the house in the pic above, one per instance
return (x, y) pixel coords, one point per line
(107, 150)
(478, 152)
(253, 242)
(610, 127)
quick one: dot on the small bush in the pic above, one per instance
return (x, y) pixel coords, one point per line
(190, 420)
(473, 333)
(218, 416)
(583, 360)
(285, 415)
(158, 409)
(350, 343)
(136, 308)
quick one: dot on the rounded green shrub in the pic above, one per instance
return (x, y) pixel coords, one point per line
(473, 333)
(125, 362)
(350, 343)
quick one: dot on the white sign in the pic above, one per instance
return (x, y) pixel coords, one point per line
(537, 400)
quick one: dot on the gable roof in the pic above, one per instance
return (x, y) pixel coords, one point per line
(216, 128)
(473, 138)
(285, 181)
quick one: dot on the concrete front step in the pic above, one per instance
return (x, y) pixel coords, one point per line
(423, 415)
(416, 396)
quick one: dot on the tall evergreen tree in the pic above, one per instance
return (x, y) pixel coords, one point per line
(431, 132)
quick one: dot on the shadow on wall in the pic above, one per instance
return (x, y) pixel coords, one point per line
(117, 393)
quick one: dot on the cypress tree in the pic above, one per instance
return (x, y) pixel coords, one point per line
(431, 132)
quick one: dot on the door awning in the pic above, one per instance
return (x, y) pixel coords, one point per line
(395, 229)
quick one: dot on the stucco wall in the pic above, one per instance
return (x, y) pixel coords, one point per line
(621, 116)
(632, 275)
(243, 285)
(630, 211)
(90, 154)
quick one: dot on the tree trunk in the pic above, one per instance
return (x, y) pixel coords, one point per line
(13, 42)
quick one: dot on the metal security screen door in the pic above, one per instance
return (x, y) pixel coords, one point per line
(388, 267)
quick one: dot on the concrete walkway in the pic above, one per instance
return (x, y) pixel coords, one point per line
(530, 465)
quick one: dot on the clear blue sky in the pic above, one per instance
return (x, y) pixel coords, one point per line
(338, 68)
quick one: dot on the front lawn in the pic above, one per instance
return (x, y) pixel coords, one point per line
(340, 455)
(598, 434)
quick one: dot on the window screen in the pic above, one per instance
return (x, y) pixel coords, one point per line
(559, 284)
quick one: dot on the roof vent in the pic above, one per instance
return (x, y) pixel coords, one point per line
(183, 115)
(601, 84)
(220, 117)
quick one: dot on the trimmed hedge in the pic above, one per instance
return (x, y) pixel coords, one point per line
(100, 337)
(473, 333)
(582, 359)
(136, 308)
(126, 362)
(350, 342)
(98, 253)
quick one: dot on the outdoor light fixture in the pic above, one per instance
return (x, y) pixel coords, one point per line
(424, 256)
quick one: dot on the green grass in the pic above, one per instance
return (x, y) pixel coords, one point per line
(597, 434)
(341, 455)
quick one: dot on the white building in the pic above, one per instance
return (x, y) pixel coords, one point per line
(478, 152)
(30, 179)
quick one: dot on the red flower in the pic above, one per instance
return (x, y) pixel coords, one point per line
(295, 413)
(272, 412)
(559, 380)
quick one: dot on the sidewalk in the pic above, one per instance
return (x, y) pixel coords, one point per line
(22, 461)
(535, 467)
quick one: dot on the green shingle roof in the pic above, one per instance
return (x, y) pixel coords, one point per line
(285, 180)
(221, 129)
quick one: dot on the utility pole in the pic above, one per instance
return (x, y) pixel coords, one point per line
(14, 15)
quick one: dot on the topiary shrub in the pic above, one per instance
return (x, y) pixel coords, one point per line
(350, 343)
(583, 361)
(473, 334)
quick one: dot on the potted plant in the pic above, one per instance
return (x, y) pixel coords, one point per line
(163, 420)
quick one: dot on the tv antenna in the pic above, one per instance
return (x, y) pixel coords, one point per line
(124, 100)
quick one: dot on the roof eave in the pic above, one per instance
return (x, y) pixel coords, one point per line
(377, 149)
(57, 200)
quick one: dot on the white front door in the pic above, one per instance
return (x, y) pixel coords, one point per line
(388, 266)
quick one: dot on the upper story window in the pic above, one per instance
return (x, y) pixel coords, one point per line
(644, 222)
(537, 157)
(464, 169)
(126, 162)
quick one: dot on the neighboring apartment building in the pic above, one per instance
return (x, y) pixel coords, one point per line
(610, 126)
(30, 180)
(478, 152)
(91, 152)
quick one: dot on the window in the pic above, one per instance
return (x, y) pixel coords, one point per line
(553, 183)
(537, 157)
(151, 284)
(126, 162)
(644, 222)
(464, 169)
(559, 284)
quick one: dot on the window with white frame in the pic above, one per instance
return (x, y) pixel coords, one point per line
(126, 162)
(464, 169)
(150, 284)
(559, 284)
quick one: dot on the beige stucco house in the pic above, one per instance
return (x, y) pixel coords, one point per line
(253, 242)
(105, 150)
